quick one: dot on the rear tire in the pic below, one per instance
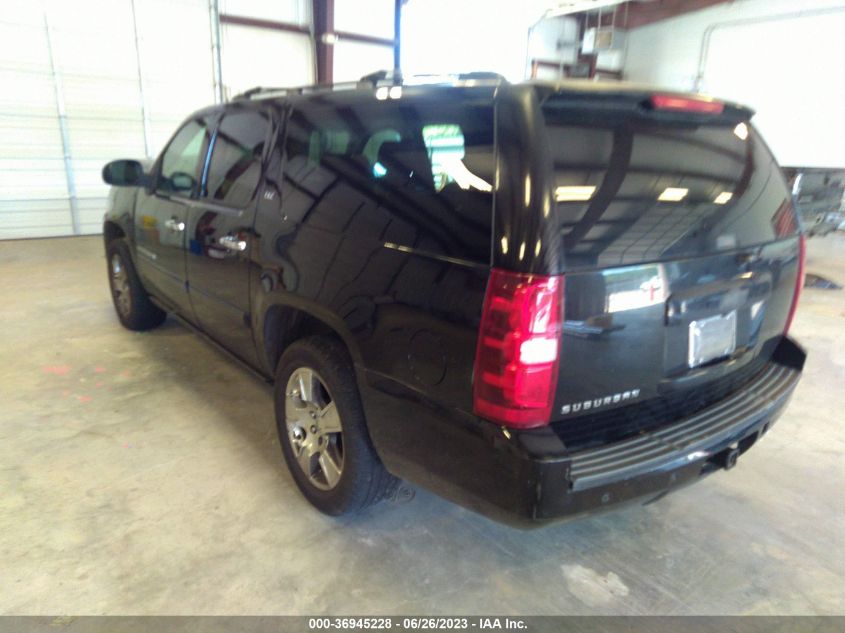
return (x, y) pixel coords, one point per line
(131, 302)
(323, 431)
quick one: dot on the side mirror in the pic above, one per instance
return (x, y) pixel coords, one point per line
(182, 182)
(124, 173)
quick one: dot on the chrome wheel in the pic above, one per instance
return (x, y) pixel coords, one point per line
(313, 428)
(120, 286)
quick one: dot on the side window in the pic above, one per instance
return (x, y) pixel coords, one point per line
(235, 167)
(428, 165)
(179, 163)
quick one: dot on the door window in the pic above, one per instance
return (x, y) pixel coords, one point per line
(179, 163)
(236, 151)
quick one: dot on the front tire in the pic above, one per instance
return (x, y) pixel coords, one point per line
(131, 302)
(323, 431)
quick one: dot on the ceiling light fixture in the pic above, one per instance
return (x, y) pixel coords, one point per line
(573, 193)
(723, 198)
(673, 194)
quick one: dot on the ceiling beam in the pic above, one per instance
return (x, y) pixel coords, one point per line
(641, 13)
(264, 24)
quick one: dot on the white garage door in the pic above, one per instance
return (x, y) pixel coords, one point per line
(85, 82)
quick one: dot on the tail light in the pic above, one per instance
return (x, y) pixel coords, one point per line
(799, 281)
(687, 104)
(516, 362)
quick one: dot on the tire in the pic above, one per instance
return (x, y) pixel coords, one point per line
(345, 474)
(131, 302)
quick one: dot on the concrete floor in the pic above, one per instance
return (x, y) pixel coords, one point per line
(141, 474)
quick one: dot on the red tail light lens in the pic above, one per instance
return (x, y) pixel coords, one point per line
(785, 220)
(516, 362)
(686, 104)
(799, 282)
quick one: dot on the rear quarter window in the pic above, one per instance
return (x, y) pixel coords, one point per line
(426, 164)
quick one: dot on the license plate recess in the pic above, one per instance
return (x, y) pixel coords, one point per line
(711, 338)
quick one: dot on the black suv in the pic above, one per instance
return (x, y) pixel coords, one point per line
(537, 300)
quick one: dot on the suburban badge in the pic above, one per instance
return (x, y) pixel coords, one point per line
(603, 401)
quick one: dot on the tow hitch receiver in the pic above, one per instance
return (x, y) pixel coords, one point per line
(727, 458)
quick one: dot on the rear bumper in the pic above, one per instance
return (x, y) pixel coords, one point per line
(528, 478)
(653, 464)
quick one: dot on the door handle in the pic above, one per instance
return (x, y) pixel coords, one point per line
(748, 257)
(232, 243)
(174, 225)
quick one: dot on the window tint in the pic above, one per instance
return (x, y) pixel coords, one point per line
(629, 191)
(236, 149)
(427, 164)
(179, 163)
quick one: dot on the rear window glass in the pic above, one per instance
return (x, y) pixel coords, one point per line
(630, 191)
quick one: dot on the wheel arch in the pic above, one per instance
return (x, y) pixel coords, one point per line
(112, 231)
(120, 212)
(283, 324)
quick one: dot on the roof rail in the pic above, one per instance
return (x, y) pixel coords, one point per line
(266, 92)
(372, 80)
(481, 75)
(367, 81)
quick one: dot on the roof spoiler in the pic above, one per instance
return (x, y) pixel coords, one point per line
(648, 103)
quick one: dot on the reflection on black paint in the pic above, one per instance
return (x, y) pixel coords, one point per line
(337, 210)
(610, 177)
